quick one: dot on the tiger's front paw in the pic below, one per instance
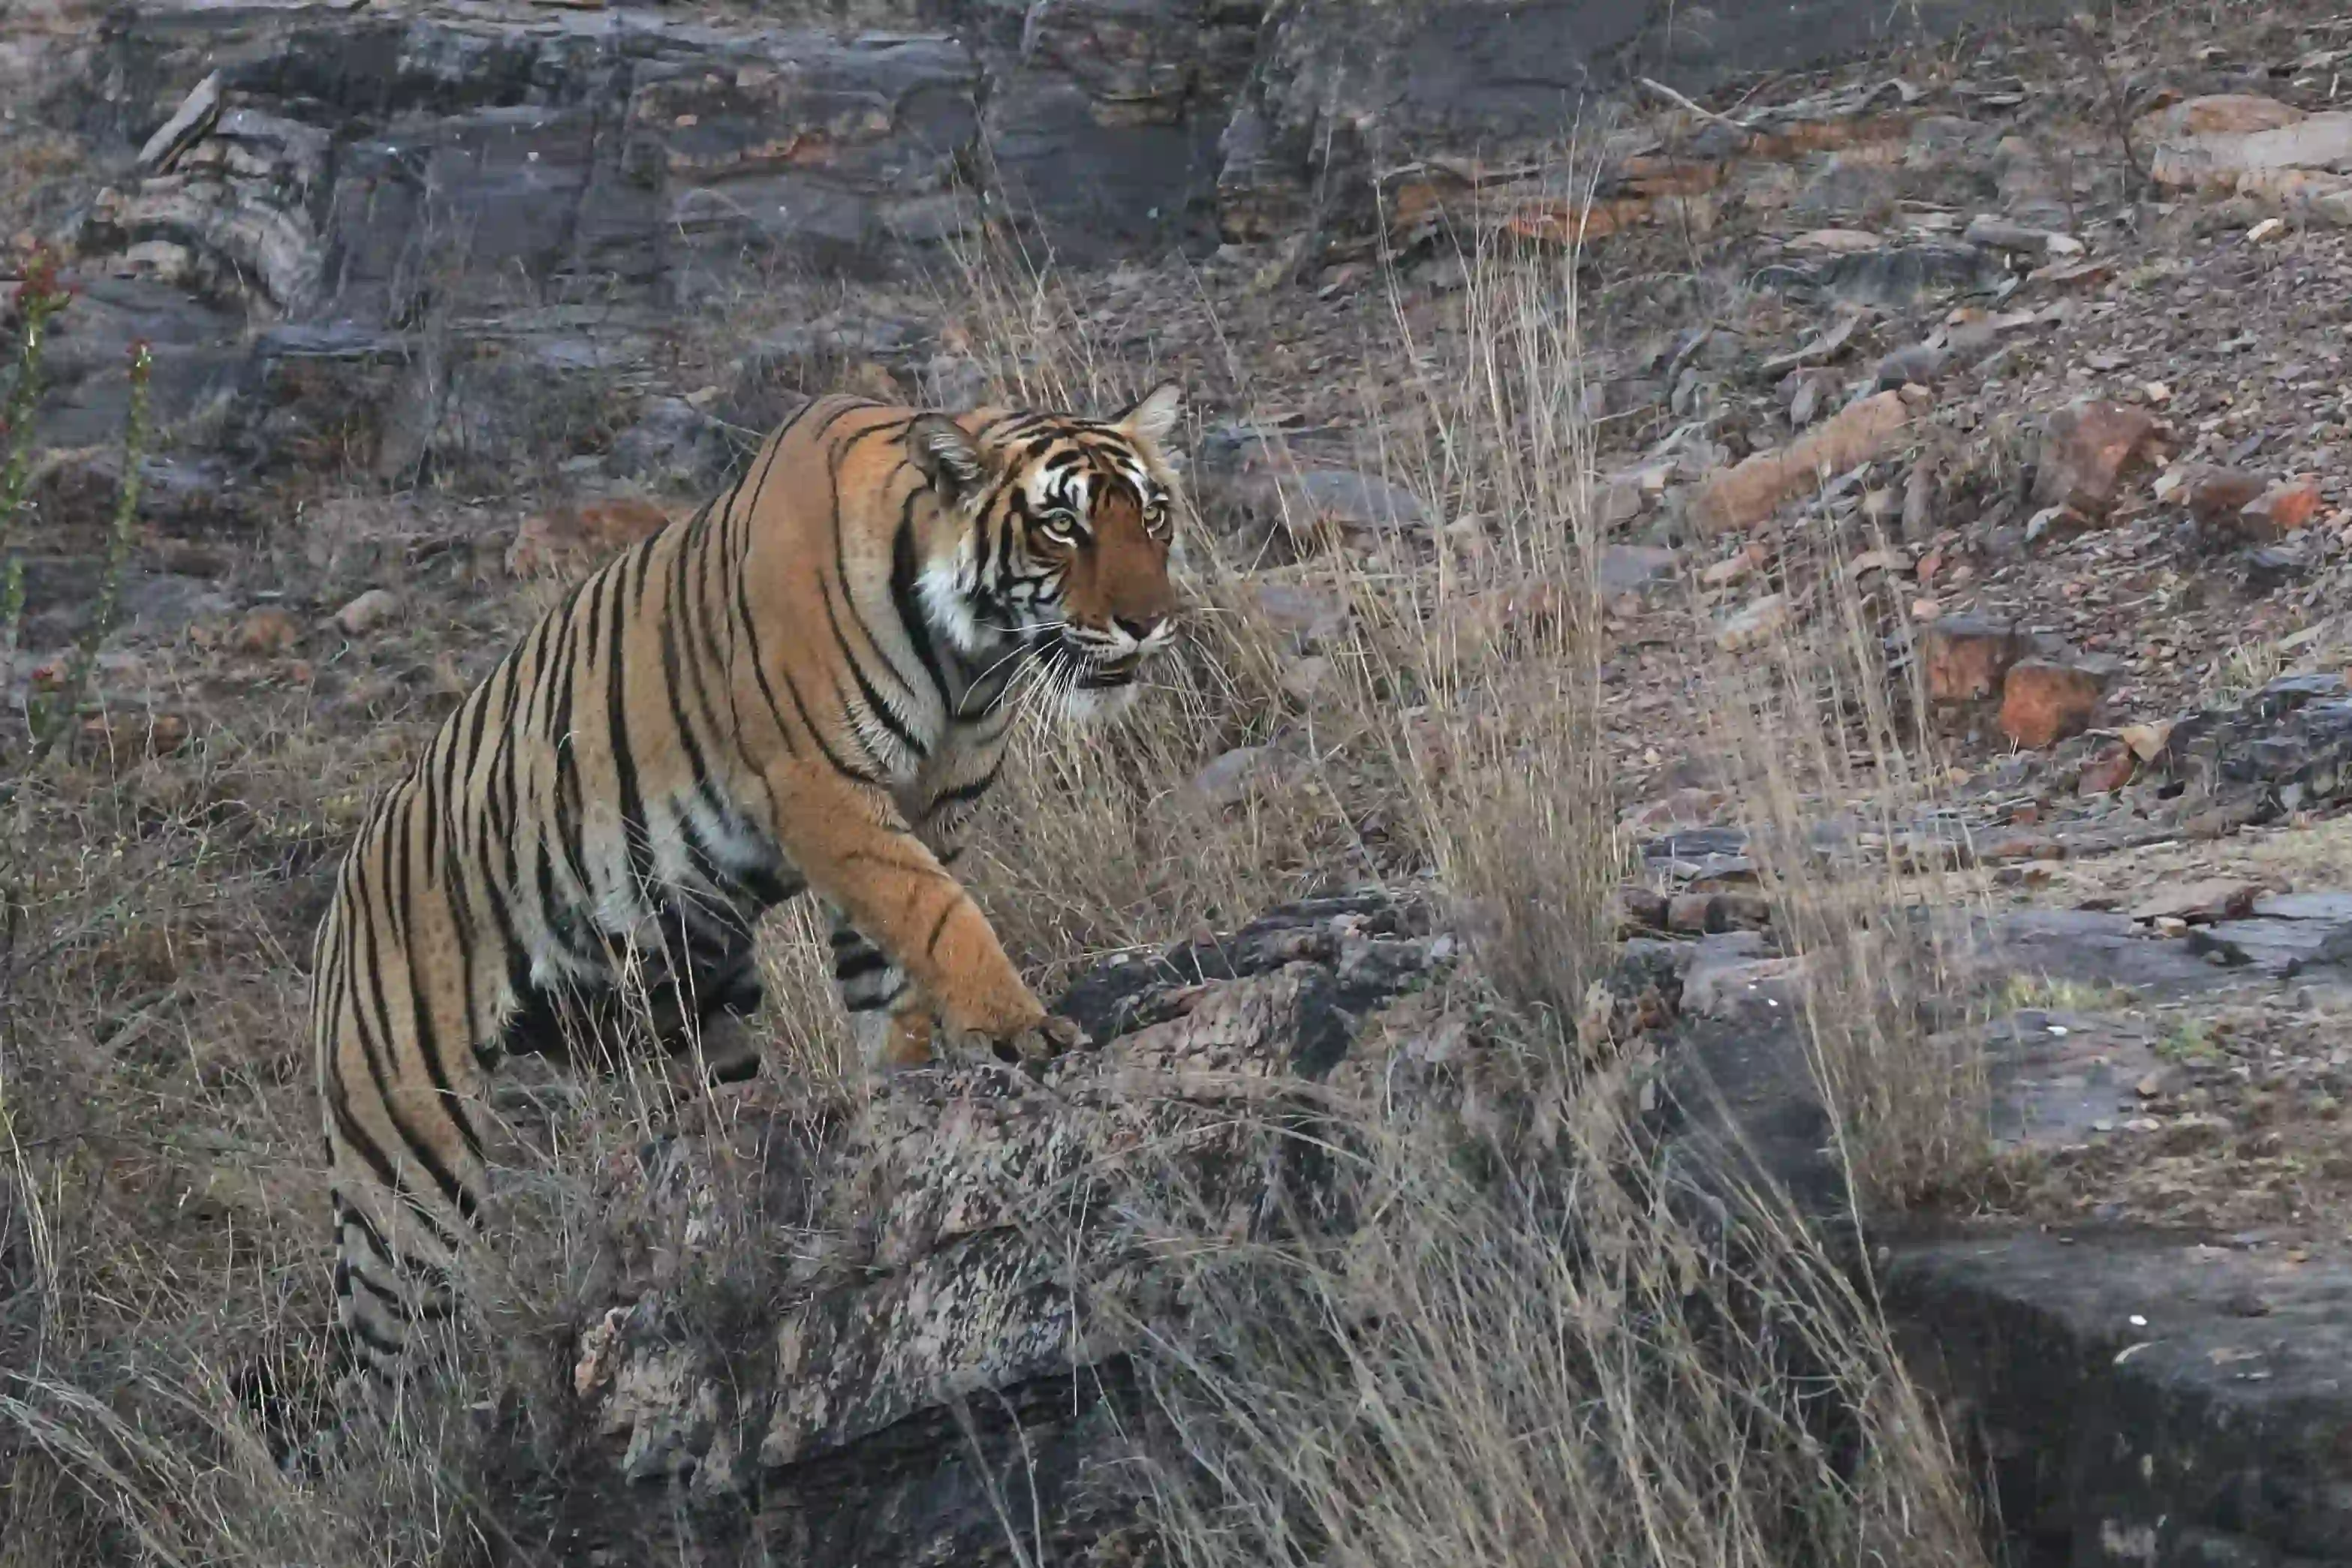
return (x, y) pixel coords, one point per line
(1042, 1040)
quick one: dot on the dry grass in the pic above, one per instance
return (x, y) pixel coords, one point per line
(1571, 1362)
(1837, 785)
(1534, 1349)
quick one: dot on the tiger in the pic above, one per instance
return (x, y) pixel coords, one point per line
(807, 686)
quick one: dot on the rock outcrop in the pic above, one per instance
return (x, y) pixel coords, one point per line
(950, 1346)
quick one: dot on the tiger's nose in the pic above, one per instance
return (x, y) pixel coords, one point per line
(1139, 626)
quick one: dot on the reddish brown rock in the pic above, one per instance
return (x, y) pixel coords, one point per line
(1963, 658)
(2020, 846)
(2215, 493)
(126, 739)
(2279, 512)
(2111, 769)
(2044, 702)
(2090, 451)
(567, 538)
(1735, 497)
(266, 632)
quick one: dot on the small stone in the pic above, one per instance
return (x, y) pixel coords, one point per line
(1229, 778)
(2267, 230)
(2059, 522)
(2279, 512)
(1637, 569)
(2272, 568)
(2146, 741)
(1343, 499)
(1807, 403)
(2333, 208)
(127, 739)
(2109, 771)
(1917, 365)
(2215, 493)
(1920, 500)
(1494, 619)
(266, 632)
(2089, 450)
(2019, 846)
(2201, 903)
(1964, 658)
(2044, 702)
(1736, 569)
(1838, 242)
(1309, 614)
(1999, 234)
(1303, 678)
(377, 607)
(1754, 624)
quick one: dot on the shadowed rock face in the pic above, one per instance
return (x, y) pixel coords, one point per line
(493, 217)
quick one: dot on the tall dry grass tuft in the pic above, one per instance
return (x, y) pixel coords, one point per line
(1836, 779)
(1483, 666)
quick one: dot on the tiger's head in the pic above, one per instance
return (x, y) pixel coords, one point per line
(1063, 527)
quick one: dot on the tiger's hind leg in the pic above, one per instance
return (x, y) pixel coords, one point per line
(389, 1308)
(401, 1076)
(720, 999)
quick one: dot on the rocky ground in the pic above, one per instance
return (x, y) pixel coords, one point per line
(2026, 345)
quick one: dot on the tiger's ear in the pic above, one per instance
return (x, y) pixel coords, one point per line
(946, 455)
(1151, 420)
